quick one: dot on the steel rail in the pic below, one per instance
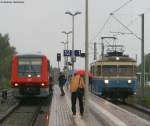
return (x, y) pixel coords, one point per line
(133, 107)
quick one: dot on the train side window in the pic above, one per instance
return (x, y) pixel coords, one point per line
(134, 69)
(94, 70)
(98, 70)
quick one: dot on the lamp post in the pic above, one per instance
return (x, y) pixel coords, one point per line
(142, 58)
(86, 60)
(67, 42)
(64, 49)
(72, 56)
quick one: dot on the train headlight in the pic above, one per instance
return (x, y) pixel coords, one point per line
(38, 75)
(117, 58)
(42, 84)
(106, 81)
(16, 84)
(129, 81)
(29, 75)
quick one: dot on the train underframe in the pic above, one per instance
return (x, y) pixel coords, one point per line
(32, 92)
(113, 92)
(117, 93)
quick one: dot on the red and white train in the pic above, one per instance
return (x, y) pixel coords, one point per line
(31, 76)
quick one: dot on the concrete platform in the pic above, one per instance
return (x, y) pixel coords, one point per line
(61, 114)
(99, 113)
(115, 115)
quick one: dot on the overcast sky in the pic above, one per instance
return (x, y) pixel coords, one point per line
(36, 25)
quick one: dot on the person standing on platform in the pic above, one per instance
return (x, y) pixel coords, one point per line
(77, 91)
(62, 81)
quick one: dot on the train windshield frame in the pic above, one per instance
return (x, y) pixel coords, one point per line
(126, 70)
(29, 66)
(118, 70)
(109, 70)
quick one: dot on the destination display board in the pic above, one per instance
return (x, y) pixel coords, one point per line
(69, 52)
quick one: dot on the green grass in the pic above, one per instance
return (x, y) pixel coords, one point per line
(146, 101)
(4, 83)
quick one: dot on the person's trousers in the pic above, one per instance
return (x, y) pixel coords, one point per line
(74, 97)
(62, 90)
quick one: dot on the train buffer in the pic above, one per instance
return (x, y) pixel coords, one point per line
(100, 113)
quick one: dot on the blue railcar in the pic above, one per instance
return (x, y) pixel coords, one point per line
(114, 76)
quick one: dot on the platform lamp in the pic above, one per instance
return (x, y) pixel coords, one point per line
(73, 55)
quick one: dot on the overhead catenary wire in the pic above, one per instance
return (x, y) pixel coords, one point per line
(131, 22)
(107, 20)
(120, 32)
(137, 18)
(124, 26)
(122, 6)
(102, 28)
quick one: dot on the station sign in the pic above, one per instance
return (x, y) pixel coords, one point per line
(69, 52)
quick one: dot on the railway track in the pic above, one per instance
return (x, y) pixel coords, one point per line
(139, 111)
(28, 113)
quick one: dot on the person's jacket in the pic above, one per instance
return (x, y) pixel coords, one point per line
(76, 82)
(62, 80)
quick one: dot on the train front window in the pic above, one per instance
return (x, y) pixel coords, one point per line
(125, 70)
(29, 66)
(109, 70)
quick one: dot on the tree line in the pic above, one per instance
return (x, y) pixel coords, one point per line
(147, 67)
(6, 53)
(147, 64)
